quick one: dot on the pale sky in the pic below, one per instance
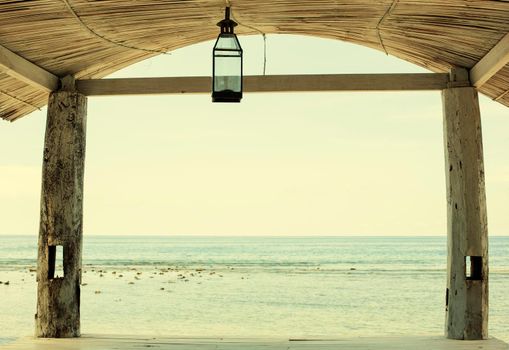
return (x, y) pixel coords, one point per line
(275, 164)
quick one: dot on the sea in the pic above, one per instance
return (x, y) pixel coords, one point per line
(271, 287)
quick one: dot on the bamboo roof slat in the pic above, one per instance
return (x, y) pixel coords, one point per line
(93, 39)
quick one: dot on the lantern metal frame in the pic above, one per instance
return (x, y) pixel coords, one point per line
(227, 26)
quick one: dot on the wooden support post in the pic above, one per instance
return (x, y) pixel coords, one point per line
(58, 297)
(467, 233)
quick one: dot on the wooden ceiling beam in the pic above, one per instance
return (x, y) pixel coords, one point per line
(491, 63)
(26, 71)
(268, 83)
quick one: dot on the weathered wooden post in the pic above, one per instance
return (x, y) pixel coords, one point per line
(58, 297)
(467, 233)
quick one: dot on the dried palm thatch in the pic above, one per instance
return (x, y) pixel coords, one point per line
(94, 38)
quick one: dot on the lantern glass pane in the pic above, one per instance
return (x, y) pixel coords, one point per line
(227, 42)
(227, 73)
(227, 64)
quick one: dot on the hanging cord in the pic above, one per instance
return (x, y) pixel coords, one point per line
(228, 4)
(386, 14)
(94, 33)
(264, 53)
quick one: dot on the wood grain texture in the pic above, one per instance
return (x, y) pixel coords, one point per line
(268, 83)
(491, 63)
(25, 71)
(467, 309)
(133, 342)
(58, 299)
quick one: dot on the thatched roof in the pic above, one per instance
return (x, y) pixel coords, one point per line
(94, 38)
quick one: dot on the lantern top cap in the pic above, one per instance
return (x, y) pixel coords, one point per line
(227, 24)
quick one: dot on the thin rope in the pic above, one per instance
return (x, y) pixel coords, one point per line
(264, 53)
(19, 100)
(94, 33)
(387, 13)
(263, 34)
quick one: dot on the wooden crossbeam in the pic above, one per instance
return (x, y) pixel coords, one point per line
(491, 63)
(24, 70)
(269, 83)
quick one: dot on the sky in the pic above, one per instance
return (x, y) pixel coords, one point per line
(276, 164)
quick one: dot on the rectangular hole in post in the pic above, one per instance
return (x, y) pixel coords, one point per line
(473, 268)
(55, 261)
(51, 261)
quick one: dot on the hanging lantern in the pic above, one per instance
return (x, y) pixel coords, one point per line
(227, 63)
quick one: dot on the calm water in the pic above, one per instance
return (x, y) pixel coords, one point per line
(254, 286)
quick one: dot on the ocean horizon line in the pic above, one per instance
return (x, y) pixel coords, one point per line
(206, 235)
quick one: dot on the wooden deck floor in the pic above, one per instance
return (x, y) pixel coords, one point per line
(102, 342)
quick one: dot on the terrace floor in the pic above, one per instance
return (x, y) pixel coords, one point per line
(111, 342)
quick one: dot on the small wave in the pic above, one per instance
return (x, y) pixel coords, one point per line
(7, 340)
(295, 267)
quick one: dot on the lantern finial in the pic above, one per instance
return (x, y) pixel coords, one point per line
(227, 24)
